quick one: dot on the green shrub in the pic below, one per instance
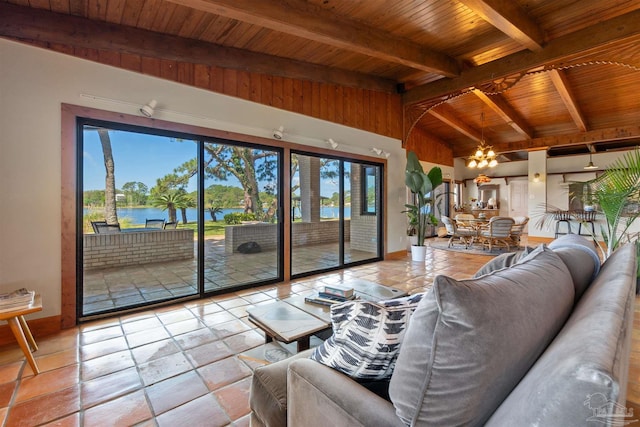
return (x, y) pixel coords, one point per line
(237, 218)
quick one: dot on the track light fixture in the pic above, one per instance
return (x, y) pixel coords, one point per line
(147, 110)
(332, 143)
(278, 133)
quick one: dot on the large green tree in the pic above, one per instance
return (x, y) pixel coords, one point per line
(136, 192)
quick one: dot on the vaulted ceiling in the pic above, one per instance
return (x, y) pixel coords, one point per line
(521, 74)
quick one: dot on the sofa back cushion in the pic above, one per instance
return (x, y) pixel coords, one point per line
(502, 261)
(581, 378)
(470, 341)
(580, 257)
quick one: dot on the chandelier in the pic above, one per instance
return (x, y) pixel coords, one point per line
(484, 155)
(481, 179)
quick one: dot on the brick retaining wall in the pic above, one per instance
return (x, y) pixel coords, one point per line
(135, 248)
(304, 233)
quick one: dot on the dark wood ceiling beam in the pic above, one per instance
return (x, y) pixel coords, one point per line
(37, 25)
(500, 105)
(509, 18)
(446, 114)
(563, 87)
(581, 138)
(598, 36)
(303, 19)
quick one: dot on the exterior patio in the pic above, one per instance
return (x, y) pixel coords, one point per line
(126, 286)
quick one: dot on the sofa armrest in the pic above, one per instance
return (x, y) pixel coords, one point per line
(321, 396)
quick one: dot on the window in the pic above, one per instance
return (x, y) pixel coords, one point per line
(369, 189)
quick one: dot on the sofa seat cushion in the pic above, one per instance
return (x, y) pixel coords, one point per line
(366, 336)
(581, 378)
(470, 341)
(268, 396)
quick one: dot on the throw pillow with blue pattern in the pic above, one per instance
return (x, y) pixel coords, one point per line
(366, 336)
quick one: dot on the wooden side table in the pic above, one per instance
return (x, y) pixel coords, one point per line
(20, 329)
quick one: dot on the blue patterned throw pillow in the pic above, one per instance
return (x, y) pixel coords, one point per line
(366, 336)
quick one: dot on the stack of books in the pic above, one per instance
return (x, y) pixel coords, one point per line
(17, 298)
(332, 295)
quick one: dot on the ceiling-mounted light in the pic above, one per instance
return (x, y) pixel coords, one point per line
(482, 179)
(378, 151)
(278, 133)
(147, 110)
(484, 155)
(332, 143)
(590, 165)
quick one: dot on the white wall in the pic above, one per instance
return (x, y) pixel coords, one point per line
(33, 84)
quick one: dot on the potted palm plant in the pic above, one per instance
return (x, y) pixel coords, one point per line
(616, 195)
(421, 185)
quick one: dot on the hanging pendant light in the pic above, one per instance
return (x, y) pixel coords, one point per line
(484, 155)
(590, 165)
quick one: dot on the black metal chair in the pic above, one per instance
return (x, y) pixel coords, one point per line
(586, 218)
(562, 217)
(154, 223)
(95, 224)
(170, 225)
(108, 228)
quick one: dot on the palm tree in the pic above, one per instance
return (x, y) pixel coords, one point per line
(110, 211)
(213, 212)
(185, 202)
(616, 194)
(170, 201)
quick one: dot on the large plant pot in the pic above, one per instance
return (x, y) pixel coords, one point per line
(418, 253)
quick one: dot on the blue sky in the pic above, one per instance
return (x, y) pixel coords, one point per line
(137, 157)
(145, 158)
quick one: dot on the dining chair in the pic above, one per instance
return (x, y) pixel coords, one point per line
(465, 221)
(497, 232)
(170, 225)
(520, 222)
(466, 236)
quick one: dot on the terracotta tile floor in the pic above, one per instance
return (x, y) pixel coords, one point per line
(179, 365)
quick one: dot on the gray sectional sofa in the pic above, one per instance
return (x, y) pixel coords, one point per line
(537, 340)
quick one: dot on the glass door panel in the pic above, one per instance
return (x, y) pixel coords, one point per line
(315, 213)
(139, 218)
(362, 226)
(242, 243)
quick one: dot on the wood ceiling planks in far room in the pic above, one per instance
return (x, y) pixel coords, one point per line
(555, 72)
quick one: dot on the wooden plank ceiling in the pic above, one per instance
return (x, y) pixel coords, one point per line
(542, 73)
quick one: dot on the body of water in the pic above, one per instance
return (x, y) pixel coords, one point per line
(140, 215)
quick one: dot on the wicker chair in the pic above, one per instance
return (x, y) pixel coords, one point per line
(465, 221)
(497, 232)
(466, 236)
(517, 229)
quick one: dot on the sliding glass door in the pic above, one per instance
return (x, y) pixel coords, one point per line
(166, 216)
(242, 198)
(336, 213)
